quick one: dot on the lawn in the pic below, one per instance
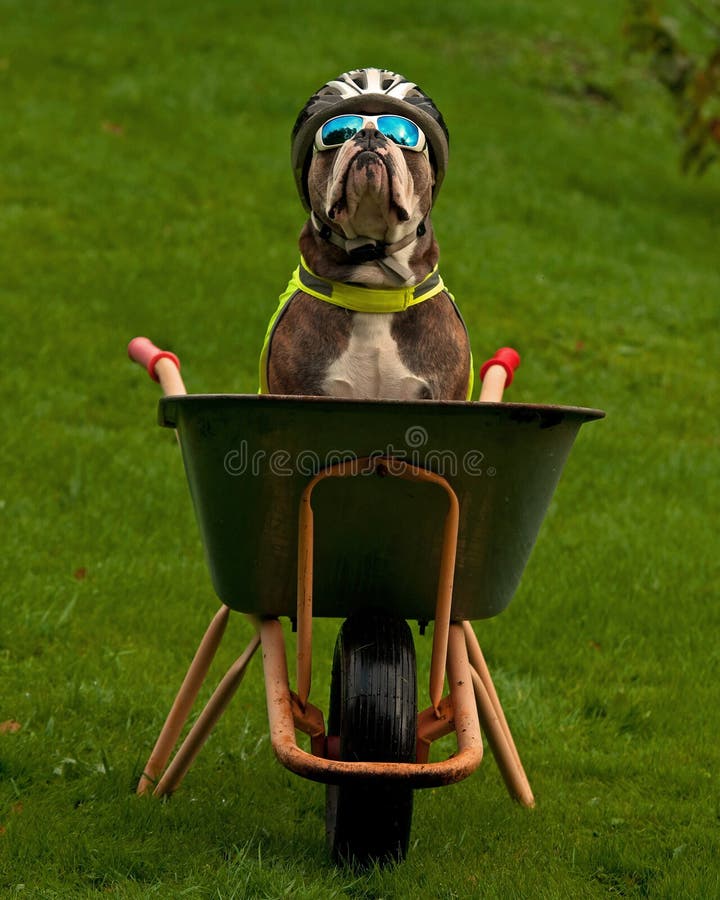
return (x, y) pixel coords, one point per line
(145, 188)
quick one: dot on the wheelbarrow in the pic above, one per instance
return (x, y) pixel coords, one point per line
(376, 513)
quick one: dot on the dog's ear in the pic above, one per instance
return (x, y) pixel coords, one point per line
(319, 176)
(423, 177)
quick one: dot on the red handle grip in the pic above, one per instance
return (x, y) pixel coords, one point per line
(142, 350)
(506, 357)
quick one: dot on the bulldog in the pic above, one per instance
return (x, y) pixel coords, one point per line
(366, 314)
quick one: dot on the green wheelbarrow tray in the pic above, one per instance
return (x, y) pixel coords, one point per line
(378, 540)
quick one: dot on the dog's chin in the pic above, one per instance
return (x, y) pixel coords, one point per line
(365, 206)
(368, 178)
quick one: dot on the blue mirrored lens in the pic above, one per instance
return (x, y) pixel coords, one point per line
(401, 131)
(340, 129)
(398, 129)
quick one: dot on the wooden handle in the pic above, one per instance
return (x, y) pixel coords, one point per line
(162, 366)
(497, 374)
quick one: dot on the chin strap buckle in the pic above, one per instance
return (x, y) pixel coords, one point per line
(365, 251)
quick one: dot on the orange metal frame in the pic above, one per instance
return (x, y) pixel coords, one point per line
(382, 465)
(472, 701)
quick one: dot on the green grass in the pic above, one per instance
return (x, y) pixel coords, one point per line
(145, 187)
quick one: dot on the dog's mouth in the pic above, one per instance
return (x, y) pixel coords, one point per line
(366, 190)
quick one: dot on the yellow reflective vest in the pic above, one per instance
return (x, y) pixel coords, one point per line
(355, 298)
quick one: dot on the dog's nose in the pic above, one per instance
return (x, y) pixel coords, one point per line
(369, 138)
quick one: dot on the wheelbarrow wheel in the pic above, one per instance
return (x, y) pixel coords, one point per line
(373, 713)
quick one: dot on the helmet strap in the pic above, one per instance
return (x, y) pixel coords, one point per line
(367, 250)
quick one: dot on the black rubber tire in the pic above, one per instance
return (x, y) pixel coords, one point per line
(373, 710)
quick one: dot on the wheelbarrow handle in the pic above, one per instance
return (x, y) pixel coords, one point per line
(497, 374)
(162, 366)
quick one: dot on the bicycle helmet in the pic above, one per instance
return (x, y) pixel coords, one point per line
(370, 91)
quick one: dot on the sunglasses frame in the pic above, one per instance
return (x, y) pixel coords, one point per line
(320, 144)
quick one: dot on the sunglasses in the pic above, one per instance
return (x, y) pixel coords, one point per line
(398, 129)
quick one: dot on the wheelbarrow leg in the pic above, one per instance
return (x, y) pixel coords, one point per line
(184, 700)
(205, 723)
(494, 723)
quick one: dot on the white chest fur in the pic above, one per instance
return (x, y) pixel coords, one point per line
(371, 368)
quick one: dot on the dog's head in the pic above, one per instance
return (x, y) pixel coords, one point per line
(369, 154)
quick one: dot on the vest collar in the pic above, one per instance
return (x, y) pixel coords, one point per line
(366, 299)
